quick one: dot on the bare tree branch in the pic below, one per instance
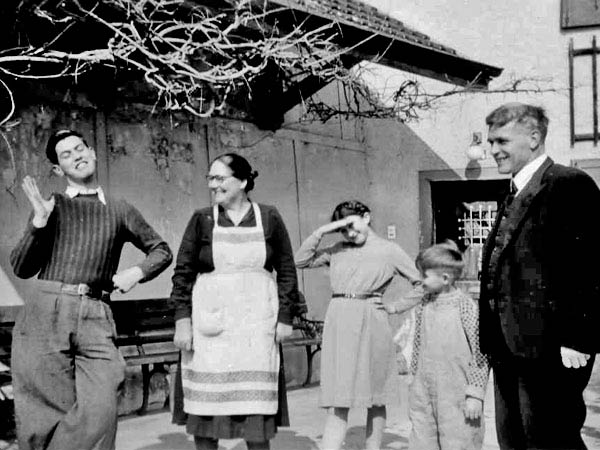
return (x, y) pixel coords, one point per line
(409, 100)
(196, 58)
(192, 57)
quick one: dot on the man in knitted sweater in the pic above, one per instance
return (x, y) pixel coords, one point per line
(65, 366)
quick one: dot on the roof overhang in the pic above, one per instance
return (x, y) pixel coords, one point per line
(372, 36)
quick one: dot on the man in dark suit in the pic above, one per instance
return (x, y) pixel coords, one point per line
(540, 287)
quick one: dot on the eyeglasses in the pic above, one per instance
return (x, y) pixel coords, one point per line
(218, 178)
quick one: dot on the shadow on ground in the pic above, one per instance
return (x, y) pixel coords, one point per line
(172, 441)
(355, 440)
(289, 439)
(285, 439)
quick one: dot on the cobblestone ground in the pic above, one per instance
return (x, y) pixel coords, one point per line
(154, 431)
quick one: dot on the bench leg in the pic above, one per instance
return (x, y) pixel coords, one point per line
(309, 357)
(145, 389)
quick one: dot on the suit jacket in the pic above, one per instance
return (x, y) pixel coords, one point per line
(540, 282)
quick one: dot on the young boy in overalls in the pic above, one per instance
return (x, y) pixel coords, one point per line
(450, 372)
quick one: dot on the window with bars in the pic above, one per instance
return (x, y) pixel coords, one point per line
(464, 211)
(474, 226)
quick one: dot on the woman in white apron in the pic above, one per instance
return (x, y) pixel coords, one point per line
(231, 312)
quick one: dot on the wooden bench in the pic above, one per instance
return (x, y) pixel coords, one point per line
(142, 323)
(5, 341)
(311, 334)
(145, 330)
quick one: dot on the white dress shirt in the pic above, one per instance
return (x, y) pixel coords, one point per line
(525, 175)
(73, 191)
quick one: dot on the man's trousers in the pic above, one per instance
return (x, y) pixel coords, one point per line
(539, 403)
(66, 372)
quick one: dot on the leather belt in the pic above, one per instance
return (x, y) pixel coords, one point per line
(84, 289)
(357, 296)
(80, 289)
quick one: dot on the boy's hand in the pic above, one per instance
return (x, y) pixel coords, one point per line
(473, 408)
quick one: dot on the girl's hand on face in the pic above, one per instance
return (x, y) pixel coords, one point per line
(333, 227)
(342, 223)
(353, 221)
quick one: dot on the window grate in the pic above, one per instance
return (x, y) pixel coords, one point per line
(474, 226)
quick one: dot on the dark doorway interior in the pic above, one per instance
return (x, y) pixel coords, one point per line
(464, 212)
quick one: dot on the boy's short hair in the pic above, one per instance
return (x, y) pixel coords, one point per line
(55, 138)
(445, 255)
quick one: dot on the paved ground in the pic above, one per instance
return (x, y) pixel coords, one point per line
(154, 431)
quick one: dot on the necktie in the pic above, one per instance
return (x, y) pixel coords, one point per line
(513, 192)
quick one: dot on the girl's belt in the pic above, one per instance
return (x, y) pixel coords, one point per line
(358, 296)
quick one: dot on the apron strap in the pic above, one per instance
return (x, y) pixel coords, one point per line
(216, 216)
(257, 216)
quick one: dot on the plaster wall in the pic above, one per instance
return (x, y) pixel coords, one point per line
(523, 37)
(159, 166)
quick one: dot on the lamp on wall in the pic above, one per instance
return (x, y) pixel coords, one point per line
(476, 151)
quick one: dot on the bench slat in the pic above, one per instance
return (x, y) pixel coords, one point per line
(301, 341)
(156, 358)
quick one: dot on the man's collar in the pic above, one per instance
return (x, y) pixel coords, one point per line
(526, 173)
(74, 191)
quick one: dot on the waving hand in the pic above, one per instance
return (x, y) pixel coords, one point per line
(41, 208)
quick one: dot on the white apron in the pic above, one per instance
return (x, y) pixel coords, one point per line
(234, 365)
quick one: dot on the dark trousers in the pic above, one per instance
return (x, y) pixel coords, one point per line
(66, 372)
(539, 403)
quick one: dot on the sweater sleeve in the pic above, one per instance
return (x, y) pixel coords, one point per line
(479, 367)
(307, 256)
(186, 268)
(283, 263)
(404, 264)
(409, 300)
(143, 236)
(33, 249)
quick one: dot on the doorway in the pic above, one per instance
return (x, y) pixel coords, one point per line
(462, 209)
